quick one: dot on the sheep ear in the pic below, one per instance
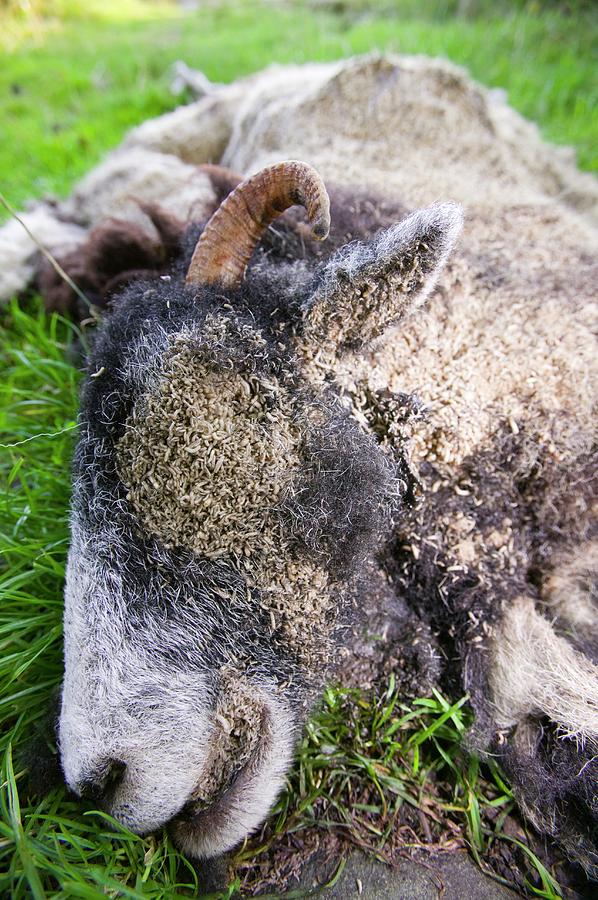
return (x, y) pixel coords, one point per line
(365, 287)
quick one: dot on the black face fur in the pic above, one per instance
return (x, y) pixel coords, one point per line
(350, 489)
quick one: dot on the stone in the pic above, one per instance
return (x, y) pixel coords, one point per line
(450, 876)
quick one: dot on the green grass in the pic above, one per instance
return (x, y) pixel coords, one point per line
(371, 767)
(368, 763)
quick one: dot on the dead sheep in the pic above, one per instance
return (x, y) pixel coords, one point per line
(351, 396)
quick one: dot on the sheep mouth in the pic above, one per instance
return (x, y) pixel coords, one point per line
(203, 812)
(216, 817)
(241, 725)
(206, 805)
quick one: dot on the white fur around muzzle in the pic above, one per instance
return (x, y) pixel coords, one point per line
(121, 704)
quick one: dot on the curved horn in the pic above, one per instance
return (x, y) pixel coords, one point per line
(230, 237)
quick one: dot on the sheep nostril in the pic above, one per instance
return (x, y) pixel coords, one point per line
(115, 774)
(104, 780)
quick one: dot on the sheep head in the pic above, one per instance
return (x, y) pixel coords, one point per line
(226, 504)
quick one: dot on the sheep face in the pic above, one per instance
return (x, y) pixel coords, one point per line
(225, 506)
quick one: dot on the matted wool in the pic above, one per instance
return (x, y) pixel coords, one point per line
(207, 457)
